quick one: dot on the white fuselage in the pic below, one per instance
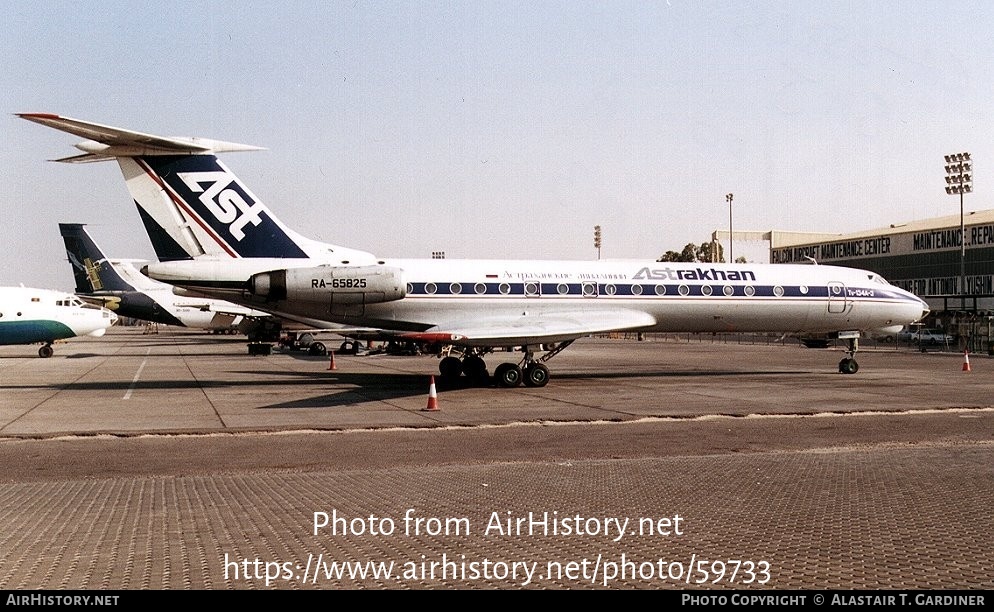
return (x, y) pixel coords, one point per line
(659, 296)
(29, 316)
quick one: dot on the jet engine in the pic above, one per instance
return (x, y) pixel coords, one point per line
(330, 284)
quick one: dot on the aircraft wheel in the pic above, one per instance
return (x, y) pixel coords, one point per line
(475, 368)
(450, 367)
(848, 366)
(508, 375)
(317, 348)
(46, 351)
(536, 375)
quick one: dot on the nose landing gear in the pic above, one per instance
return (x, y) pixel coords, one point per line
(848, 364)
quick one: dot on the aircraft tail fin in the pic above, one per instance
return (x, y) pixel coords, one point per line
(91, 270)
(191, 204)
(164, 244)
(194, 205)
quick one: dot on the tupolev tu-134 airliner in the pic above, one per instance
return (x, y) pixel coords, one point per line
(214, 236)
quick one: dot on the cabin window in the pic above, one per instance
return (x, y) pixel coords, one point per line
(684, 290)
(778, 291)
(410, 287)
(431, 288)
(455, 288)
(589, 289)
(531, 288)
(480, 288)
(804, 289)
(610, 289)
(750, 290)
(562, 288)
(728, 290)
(706, 289)
(636, 289)
(660, 289)
(504, 288)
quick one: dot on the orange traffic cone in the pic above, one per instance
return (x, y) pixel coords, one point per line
(331, 363)
(966, 361)
(432, 397)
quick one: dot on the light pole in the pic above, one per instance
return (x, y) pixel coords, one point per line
(731, 258)
(959, 180)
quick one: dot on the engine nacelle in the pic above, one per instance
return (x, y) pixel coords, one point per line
(330, 284)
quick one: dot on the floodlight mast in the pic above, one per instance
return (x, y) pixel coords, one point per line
(959, 180)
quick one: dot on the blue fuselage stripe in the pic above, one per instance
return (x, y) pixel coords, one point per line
(648, 290)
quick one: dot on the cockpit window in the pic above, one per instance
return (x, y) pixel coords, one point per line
(876, 278)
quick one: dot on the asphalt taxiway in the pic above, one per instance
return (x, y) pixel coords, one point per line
(178, 461)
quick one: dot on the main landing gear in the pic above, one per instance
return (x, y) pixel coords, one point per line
(533, 374)
(848, 364)
(46, 351)
(531, 370)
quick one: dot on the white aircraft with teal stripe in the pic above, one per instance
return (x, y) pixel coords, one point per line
(42, 316)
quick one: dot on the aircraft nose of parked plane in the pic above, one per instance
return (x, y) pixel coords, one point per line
(108, 318)
(917, 304)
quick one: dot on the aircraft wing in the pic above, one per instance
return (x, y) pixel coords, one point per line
(305, 325)
(225, 309)
(531, 328)
(223, 321)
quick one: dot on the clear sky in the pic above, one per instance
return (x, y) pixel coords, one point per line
(504, 129)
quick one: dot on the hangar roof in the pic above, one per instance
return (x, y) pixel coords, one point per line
(779, 239)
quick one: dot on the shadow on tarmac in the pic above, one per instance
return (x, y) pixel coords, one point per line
(358, 388)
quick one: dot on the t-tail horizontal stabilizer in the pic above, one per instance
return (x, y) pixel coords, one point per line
(105, 142)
